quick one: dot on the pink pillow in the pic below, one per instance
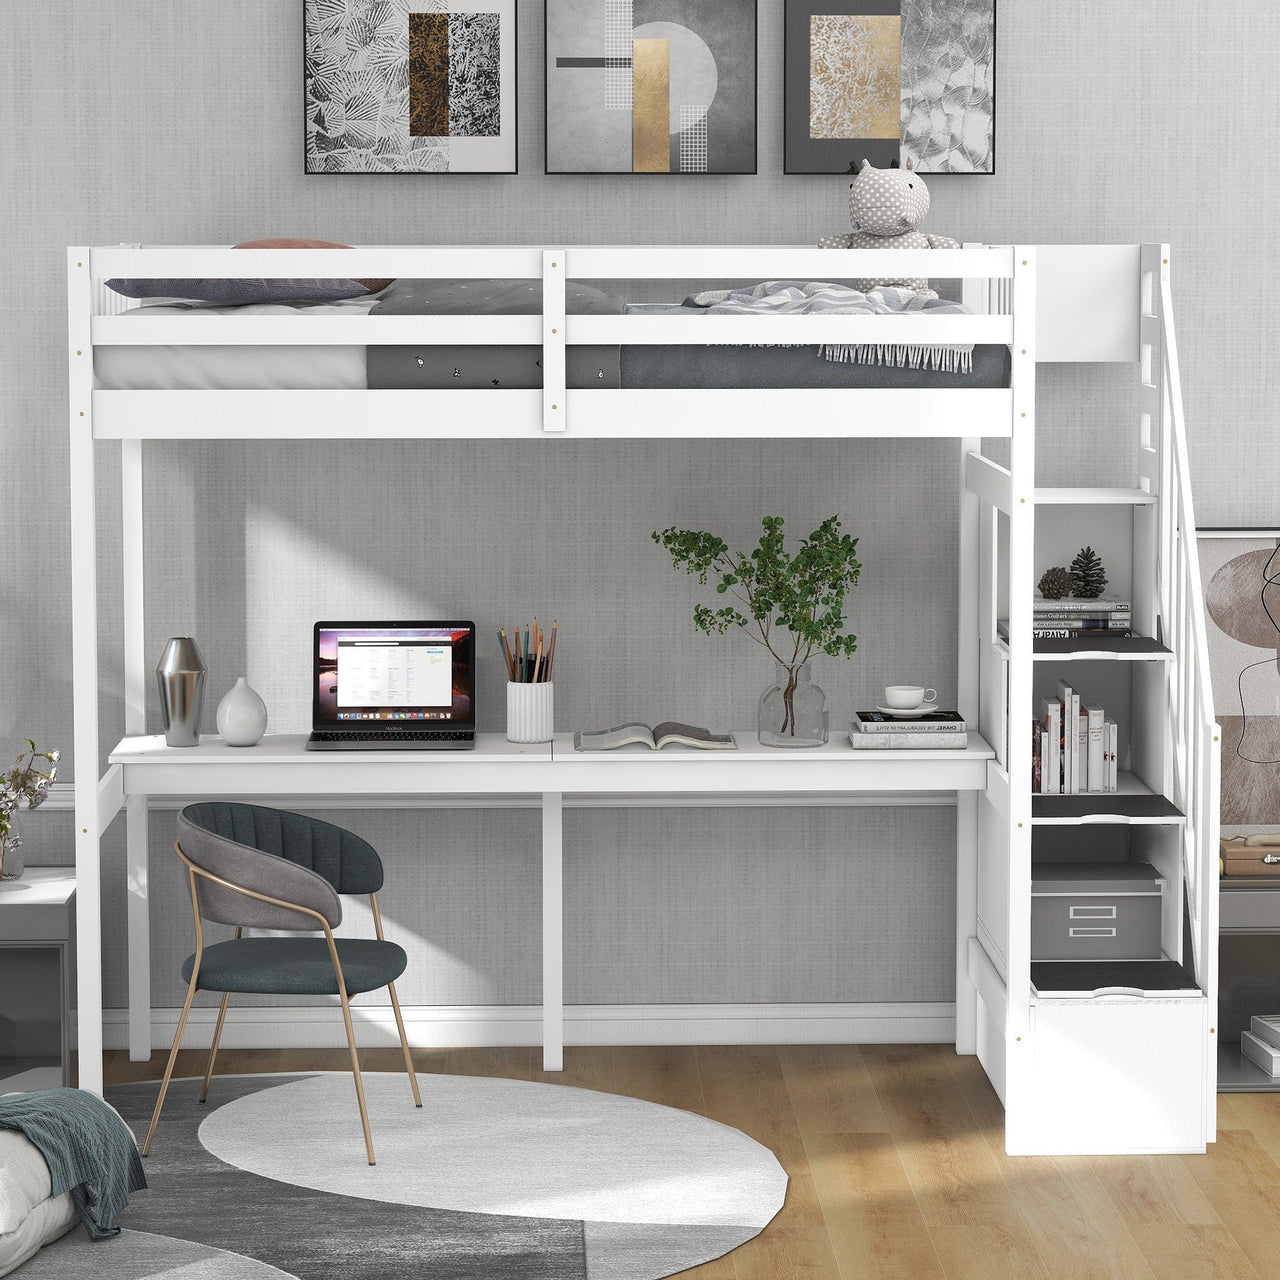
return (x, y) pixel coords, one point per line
(290, 242)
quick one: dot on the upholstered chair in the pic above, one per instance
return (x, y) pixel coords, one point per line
(259, 868)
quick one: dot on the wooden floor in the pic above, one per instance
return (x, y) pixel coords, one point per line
(897, 1167)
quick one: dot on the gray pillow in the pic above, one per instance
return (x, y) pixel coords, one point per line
(241, 292)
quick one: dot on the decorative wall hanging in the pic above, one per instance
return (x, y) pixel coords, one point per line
(651, 86)
(410, 86)
(1240, 572)
(886, 80)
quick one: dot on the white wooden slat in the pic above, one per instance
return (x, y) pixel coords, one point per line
(555, 406)
(1094, 497)
(692, 329)
(593, 414)
(590, 262)
(989, 480)
(191, 329)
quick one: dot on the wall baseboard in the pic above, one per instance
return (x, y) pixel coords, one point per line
(472, 1026)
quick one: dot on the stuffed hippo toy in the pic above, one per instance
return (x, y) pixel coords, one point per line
(886, 208)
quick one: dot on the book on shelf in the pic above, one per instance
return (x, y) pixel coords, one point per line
(861, 740)
(1051, 763)
(1081, 604)
(1266, 1027)
(1070, 628)
(1082, 751)
(1069, 702)
(667, 734)
(1113, 755)
(933, 722)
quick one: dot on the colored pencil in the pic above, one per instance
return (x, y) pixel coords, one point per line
(537, 666)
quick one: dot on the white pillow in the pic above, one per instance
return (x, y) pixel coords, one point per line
(47, 1221)
(24, 1179)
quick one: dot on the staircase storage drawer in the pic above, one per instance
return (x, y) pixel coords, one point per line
(1095, 911)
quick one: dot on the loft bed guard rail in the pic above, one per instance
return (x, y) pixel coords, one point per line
(987, 275)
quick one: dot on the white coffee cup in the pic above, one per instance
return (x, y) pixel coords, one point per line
(906, 697)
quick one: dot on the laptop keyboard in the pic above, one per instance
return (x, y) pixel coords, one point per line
(395, 735)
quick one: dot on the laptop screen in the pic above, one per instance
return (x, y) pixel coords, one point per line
(395, 674)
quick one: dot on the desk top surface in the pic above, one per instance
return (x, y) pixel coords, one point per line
(39, 887)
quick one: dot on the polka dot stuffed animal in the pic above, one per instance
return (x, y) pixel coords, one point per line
(886, 206)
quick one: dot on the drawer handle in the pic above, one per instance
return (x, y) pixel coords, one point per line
(1091, 933)
(1092, 913)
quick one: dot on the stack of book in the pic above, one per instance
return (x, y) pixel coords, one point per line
(939, 730)
(1261, 1043)
(1074, 746)
(1070, 617)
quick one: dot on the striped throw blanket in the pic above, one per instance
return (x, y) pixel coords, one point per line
(794, 297)
(88, 1148)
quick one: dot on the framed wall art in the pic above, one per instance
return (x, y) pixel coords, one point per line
(1240, 573)
(410, 86)
(651, 86)
(887, 80)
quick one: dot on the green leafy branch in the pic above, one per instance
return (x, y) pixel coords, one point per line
(802, 594)
(26, 781)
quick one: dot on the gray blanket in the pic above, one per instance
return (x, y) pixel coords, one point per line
(795, 297)
(88, 1148)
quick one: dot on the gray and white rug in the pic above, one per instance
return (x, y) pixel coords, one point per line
(493, 1178)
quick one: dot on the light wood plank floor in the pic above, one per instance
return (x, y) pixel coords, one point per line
(897, 1167)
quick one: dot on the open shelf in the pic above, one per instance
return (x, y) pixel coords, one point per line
(1238, 1074)
(1132, 802)
(1062, 979)
(1101, 647)
(1095, 497)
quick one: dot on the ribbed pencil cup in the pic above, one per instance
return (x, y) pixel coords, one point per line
(530, 712)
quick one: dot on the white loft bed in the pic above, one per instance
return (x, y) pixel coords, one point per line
(1073, 1070)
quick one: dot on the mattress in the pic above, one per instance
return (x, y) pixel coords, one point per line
(226, 368)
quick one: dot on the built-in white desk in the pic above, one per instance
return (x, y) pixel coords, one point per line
(279, 770)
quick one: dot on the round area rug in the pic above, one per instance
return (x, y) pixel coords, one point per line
(494, 1178)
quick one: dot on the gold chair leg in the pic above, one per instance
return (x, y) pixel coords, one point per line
(355, 1071)
(404, 1045)
(213, 1048)
(173, 1055)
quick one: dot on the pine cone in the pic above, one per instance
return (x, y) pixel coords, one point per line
(1088, 577)
(1054, 584)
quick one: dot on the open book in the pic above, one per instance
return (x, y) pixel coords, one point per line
(661, 735)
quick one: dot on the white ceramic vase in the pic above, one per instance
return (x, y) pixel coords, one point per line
(242, 715)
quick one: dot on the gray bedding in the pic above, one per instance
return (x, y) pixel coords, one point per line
(632, 367)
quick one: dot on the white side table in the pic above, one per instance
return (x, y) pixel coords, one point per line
(37, 925)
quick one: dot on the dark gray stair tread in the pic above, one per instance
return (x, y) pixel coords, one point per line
(1088, 804)
(1099, 642)
(1095, 975)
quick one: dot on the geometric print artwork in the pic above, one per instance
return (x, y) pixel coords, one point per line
(889, 80)
(410, 86)
(651, 86)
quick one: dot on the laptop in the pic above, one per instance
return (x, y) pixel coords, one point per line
(379, 686)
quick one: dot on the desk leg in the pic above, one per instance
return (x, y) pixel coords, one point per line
(139, 919)
(552, 932)
(966, 918)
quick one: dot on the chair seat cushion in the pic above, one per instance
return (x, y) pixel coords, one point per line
(296, 966)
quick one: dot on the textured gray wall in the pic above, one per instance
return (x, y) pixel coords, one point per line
(170, 123)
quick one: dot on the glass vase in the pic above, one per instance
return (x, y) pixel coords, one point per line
(12, 860)
(793, 710)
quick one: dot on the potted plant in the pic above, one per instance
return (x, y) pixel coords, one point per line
(790, 603)
(25, 783)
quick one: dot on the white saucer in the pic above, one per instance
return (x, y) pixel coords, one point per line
(909, 713)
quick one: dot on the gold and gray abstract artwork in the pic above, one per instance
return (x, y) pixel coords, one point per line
(890, 80)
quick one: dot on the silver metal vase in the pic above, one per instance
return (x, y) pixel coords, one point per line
(180, 676)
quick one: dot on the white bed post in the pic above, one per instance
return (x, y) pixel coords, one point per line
(84, 672)
(555, 410)
(1019, 1051)
(552, 931)
(967, 801)
(135, 722)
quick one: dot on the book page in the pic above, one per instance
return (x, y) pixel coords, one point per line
(688, 735)
(610, 739)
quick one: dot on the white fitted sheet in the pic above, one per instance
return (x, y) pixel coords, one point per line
(229, 368)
